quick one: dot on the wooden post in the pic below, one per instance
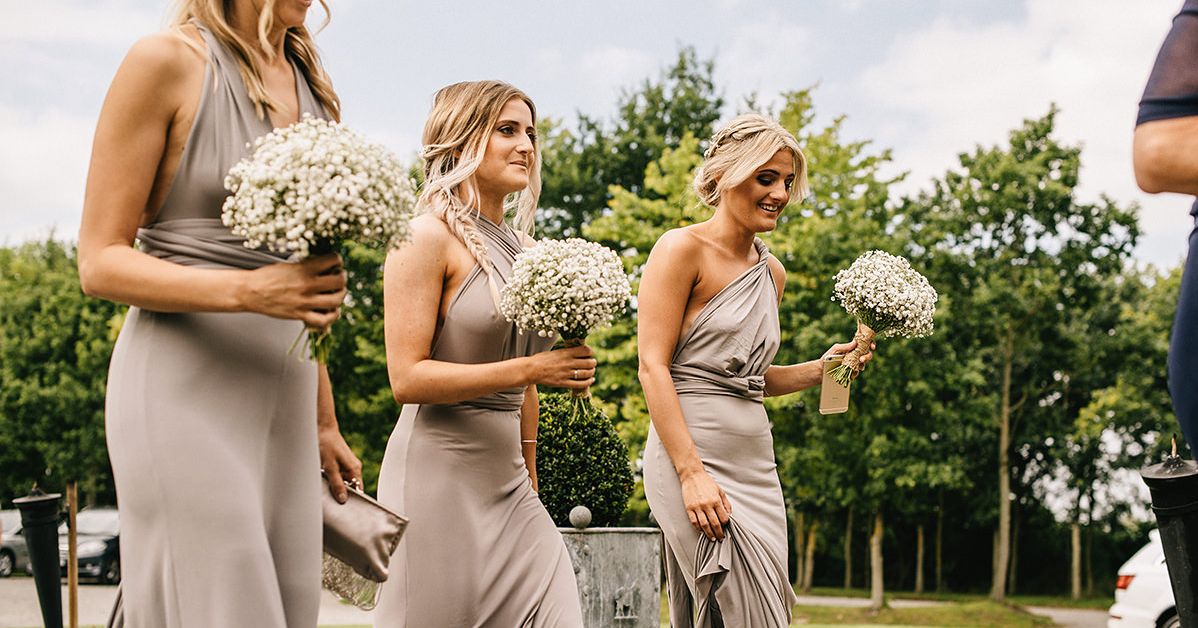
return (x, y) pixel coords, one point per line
(72, 557)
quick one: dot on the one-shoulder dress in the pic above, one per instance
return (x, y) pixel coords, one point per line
(480, 549)
(210, 421)
(718, 369)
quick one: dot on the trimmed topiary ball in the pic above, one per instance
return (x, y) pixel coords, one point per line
(581, 461)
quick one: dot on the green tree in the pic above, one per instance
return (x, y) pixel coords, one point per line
(581, 164)
(1016, 250)
(55, 345)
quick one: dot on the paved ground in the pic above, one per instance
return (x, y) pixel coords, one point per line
(1073, 617)
(19, 609)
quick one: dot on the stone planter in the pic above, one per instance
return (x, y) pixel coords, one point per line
(619, 575)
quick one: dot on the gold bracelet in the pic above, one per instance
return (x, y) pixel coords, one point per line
(528, 440)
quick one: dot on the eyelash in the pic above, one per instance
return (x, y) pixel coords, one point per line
(768, 181)
(508, 130)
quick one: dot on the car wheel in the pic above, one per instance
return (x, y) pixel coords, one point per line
(1170, 620)
(7, 564)
(111, 573)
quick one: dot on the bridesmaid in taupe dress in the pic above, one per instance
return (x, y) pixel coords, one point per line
(480, 549)
(212, 426)
(707, 333)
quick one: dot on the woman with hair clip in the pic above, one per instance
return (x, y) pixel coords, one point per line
(215, 431)
(480, 550)
(707, 329)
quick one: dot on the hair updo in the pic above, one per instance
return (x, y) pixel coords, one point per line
(739, 149)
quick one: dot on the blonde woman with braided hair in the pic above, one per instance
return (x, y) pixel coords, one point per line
(707, 329)
(215, 431)
(480, 550)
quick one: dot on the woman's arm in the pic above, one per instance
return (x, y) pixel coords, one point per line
(414, 279)
(665, 289)
(1165, 155)
(336, 458)
(157, 76)
(530, 414)
(783, 380)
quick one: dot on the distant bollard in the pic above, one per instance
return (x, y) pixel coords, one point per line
(39, 524)
(1174, 487)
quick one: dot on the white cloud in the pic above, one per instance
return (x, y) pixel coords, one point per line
(952, 85)
(767, 56)
(608, 69)
(61, 21)
(43, 165)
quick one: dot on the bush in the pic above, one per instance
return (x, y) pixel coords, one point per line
(581, 461)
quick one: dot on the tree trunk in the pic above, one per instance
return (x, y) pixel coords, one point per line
(940, 544)
(919, 558)
(875, 564)
(800, 537)
(809, 561)
(1075, 563)
(1012, 568)
(848, 550)
(998, 589)
(1089, 560)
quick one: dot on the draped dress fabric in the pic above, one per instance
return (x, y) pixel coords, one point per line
(718, 370)
(1172, 92)
(480, 549)
(210, 421)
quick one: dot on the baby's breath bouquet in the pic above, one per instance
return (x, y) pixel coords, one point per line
(567, 287)
(308, 188)
(888, 298)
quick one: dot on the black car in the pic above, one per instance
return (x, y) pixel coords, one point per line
(98, 550)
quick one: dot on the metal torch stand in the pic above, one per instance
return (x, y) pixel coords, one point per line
(1174, 487)
(39, 523)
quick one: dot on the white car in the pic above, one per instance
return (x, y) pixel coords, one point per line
(1143, 595)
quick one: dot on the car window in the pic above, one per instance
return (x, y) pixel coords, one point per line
(97, 522)
(10, 522)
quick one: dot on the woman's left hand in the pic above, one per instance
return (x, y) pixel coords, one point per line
(843, 348)
(340, 464)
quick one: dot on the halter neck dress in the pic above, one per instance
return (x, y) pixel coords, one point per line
(211, 423)
(718, 369)
(480, 549)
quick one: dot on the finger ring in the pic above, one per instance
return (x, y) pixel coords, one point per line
(574, 375)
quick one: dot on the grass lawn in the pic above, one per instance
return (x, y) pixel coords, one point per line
(977, 613)
(1059, 601)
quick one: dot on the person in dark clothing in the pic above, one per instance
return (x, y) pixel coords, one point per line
(1165, 154)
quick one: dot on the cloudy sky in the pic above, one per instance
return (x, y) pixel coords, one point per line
(927, 78)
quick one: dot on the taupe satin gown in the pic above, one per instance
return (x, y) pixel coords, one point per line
(480, 549)
(718, 369)
(211, 423)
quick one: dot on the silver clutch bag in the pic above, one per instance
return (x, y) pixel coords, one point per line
(359, 538)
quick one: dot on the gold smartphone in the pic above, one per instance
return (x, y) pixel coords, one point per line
(833, 398)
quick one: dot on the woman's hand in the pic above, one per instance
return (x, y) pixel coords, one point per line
(339, 463)
(311, 290)
(706, 504)
(844, 348)
(570, 367)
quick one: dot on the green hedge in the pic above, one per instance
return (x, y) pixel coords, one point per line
(581, 461)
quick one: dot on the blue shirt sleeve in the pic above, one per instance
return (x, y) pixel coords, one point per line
(1172, 89)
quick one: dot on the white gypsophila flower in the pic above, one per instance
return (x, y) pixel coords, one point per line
(569, 287)
(884, 292)
(315, 184)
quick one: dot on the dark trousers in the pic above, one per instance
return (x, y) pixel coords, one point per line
(1183, 349)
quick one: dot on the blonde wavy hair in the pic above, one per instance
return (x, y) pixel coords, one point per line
(738, 149)
(297, 46)
(455, 141)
